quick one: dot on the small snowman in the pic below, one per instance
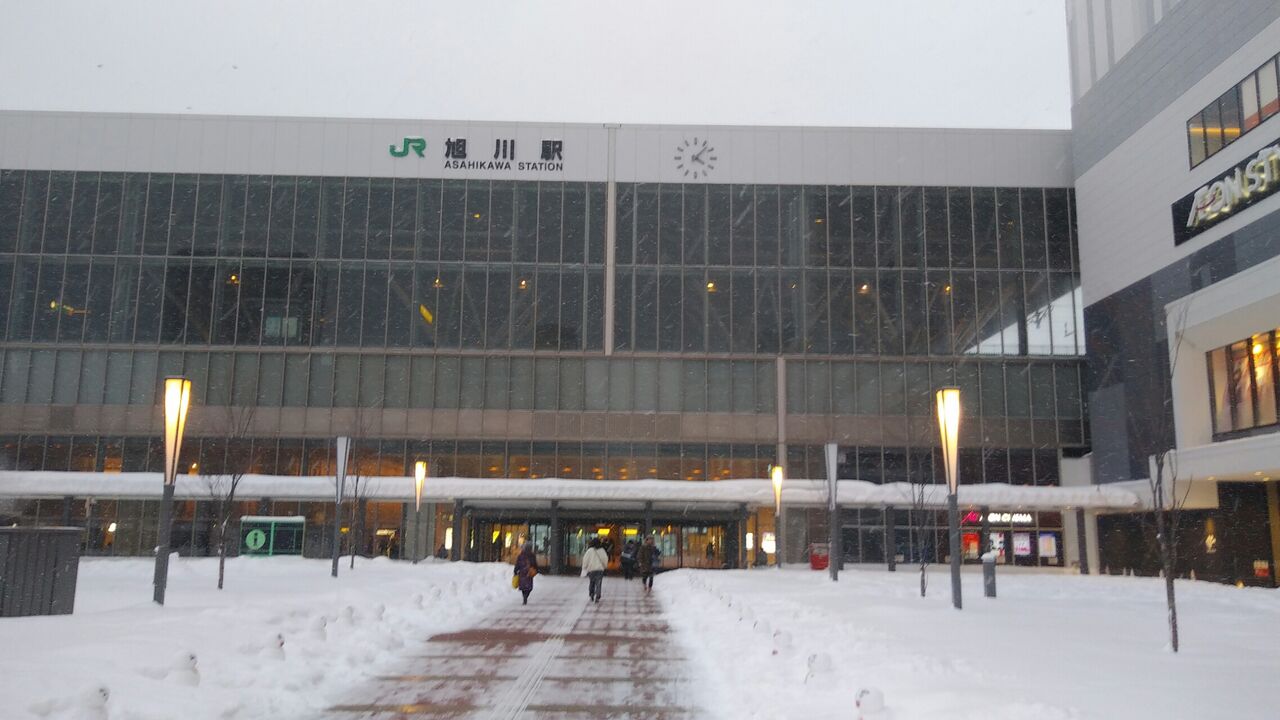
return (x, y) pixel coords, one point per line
(90, 704)
(275, 648)
(870, 704)
(781, 642)
(318, 628)
(184, 670)
(819, 664)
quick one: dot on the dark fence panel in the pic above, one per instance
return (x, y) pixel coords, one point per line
(38, 569)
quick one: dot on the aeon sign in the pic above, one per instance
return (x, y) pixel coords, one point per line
(1245, 184)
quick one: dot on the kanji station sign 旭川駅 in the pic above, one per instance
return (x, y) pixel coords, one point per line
(1243, 185)
(460, 155)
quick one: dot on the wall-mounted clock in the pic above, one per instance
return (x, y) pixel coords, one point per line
(696, 158)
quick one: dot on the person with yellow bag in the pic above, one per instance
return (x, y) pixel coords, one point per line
(526, 569)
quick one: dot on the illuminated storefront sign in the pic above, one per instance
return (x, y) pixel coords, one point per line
(1007, 518)
(1247, 183)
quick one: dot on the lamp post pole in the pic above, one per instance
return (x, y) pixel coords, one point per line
(177, 398)
(778, 475)
(949, 430)
(419, 477)
(343, 447)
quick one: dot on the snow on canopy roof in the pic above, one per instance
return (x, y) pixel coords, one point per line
(751, 492)
(273, 518)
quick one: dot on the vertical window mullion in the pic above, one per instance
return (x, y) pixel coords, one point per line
(1275, 367)
(1253, 383)
(1232, 394)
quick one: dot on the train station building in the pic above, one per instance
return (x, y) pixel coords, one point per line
(582, 329)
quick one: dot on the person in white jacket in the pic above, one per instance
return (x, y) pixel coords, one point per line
(594, 562)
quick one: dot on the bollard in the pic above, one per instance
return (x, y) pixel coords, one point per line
(989, 573)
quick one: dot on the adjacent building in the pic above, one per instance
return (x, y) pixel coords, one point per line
(659, 313)
(1176, 154)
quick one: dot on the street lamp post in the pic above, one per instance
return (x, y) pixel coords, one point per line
(177, 398)
(949, 430)
(343, 447)
(778, 475)
(419, 477)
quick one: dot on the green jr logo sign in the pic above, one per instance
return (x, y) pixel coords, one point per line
(416, 144)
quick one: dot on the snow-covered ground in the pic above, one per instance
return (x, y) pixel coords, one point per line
(335, 634)
(1050, 647)
(764, 644)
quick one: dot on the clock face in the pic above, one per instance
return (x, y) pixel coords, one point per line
(696, 158)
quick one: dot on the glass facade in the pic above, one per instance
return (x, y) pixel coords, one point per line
(846, 270)
(395, 296)
(1242, 385)
(167, 259)
(1237, 111)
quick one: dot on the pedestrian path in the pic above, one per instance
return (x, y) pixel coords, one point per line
(558, 657)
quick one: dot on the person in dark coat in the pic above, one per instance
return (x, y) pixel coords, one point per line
(648, 562)
(628, 560)
(526, 568)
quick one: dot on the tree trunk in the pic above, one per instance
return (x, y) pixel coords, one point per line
(354, 533)
(923, 581)
(222, 552)
(1165, 542)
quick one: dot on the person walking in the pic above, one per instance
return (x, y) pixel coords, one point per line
(628, 560)
(648, 561)
(594, 562)
(526, 568)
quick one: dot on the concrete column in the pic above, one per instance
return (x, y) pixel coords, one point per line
(1080, 540)
(610, 240)
(984, 539)
(472, 549)
(890, 539)
(1079, 534)
(744, 557)
(780, 411)
(1273, 515)
(66, 511)
(418, 531)
(557, 541)
(455, 554)
(426, 531)
(648, 519)
(1082, 543)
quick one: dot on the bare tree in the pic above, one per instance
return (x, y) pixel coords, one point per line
(359, 489)
(361, 477)
(234, 430)
(919, 503)
(1163, 483)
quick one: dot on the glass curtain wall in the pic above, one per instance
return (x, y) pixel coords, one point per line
(441, 294)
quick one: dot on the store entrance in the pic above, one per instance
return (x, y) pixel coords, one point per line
(691, 546)
(614, 537)
(498, 541)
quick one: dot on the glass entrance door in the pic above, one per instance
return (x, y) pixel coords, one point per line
(702, 546)
(500, 542)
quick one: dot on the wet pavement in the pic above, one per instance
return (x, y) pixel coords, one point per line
(560, 656)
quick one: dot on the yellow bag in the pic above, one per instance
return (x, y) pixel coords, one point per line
(515, 581)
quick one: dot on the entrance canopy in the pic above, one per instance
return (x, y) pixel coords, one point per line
(602, 493)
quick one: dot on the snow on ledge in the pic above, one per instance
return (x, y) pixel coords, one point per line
(30, 484)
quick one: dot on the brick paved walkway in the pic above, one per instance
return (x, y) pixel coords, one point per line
(558, 657)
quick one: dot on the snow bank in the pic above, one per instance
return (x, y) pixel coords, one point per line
(754, 492)
(283, 640)
(792, 644)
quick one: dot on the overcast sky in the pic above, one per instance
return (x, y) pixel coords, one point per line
(951, 63)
